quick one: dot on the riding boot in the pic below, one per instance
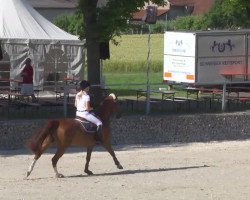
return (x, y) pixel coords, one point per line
(98, 134)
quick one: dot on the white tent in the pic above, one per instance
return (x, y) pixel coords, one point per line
(25, 33)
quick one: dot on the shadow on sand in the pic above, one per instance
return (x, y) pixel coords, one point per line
(140, 171)
(127, 172)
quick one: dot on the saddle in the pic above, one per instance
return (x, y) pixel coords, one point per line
(88, 126)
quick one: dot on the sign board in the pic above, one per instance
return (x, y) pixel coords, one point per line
(201, 57)
(179, 57)
(216, 53)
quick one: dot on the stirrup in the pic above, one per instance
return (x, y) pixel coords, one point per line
(98, 134)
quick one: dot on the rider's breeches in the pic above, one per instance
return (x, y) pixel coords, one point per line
(88, 116)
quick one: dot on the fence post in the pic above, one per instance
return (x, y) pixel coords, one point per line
(148, 70)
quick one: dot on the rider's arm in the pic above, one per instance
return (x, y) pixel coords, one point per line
(88, 106)
(75, 103)
(77, 97)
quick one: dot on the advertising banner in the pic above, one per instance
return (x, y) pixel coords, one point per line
(206, 57)
(179, 57)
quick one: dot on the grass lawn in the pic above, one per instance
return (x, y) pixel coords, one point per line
(125, 84)
(126, 70)
(134, 47)
(131, 54)
(131, 80)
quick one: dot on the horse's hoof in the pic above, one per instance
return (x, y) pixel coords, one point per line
(28, 173)
(59, 176)
(119, 166)
(88, 172)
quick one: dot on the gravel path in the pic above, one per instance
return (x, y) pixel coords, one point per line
(216, 170)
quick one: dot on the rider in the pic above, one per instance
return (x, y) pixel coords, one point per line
(82, 104)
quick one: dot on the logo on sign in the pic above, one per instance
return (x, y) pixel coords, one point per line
(178, 42)
(222, 46)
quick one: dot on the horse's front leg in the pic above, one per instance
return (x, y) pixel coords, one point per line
(55, 159)
(86, 170)
(112, 153)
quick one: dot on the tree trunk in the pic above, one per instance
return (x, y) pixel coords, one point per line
(93, 52)
(248, 12)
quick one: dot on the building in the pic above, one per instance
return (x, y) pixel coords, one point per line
(188, 7)
(176, 8)
(51, 9)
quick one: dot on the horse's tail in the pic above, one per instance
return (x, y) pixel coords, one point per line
(34, 144)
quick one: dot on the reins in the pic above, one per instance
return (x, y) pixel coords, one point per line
(101, 111)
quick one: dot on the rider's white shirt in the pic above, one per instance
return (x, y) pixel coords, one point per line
(81, 101)
(81, 108)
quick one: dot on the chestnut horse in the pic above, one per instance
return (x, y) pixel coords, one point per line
(66, 132)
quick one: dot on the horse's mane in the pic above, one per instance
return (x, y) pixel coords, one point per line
(113, 96)
(103, 105)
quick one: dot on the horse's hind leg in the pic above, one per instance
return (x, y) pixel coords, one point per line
(55, 159)
(44, 146)
(112, 153)
(86, 170)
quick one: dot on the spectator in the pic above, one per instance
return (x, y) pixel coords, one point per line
(27, 84)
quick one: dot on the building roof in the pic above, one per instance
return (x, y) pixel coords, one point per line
(53, 3)
(141, 13)
(137, 16)
(200, 7)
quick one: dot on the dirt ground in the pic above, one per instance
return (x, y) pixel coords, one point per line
(217, 170)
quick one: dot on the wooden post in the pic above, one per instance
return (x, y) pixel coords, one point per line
(224, 100)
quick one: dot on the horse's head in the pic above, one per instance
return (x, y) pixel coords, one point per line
(109, 107)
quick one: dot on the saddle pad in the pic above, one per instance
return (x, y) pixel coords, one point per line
(88, 126)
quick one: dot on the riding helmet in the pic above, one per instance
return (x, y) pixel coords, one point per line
(84, 84)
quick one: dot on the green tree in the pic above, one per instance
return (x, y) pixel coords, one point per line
(71, 23)
(226, 14)
(102, 24)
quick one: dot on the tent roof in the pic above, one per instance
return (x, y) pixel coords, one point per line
(18, 20)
